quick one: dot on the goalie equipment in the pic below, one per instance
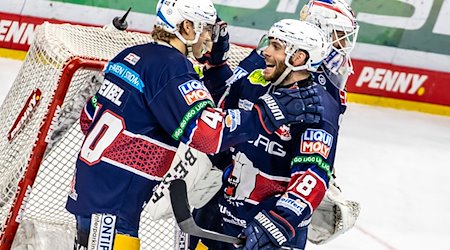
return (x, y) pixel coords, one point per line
(334, 216)
(203, 181)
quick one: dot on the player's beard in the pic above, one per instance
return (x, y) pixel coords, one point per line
(274, 70)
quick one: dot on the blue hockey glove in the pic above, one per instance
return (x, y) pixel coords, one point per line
(289, 106)
(221, 45)
(266, 231)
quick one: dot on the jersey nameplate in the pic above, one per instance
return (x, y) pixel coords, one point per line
(111, 92)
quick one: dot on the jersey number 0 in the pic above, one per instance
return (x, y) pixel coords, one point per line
(107, 129)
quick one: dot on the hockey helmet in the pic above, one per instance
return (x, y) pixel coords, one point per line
(333, 16)
(171, 13)
(300, 35)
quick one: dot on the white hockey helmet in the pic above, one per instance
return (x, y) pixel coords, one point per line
(300, 35)
(333, 16)
(171, 13)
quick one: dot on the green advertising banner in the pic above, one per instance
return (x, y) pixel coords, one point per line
(415, 25)
(402, 51)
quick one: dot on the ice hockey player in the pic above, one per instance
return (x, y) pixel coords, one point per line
(277, 180)
(335, 215)
(337, 19)
(150, 100)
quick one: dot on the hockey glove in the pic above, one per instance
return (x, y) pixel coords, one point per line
(267, 231)
(289, 106)
(221, 45)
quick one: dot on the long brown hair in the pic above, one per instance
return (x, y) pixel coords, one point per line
(159, 34)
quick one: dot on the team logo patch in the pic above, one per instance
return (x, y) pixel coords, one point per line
(233, 119)
(316, 141)
(245, 104)
(238, 73)
(284, 132)
(193, 91)
(257, 78)
(322, 80)
(295, 206)
(132, 58)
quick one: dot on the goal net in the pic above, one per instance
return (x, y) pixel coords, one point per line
(40, 136)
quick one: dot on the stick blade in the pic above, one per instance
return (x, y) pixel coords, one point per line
(182, 212)
(179, 200)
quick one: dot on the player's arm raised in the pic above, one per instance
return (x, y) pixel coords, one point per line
(188, 112)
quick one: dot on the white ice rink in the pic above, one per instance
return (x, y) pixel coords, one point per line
(395, 163)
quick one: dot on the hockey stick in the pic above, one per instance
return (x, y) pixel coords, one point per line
(182, 212)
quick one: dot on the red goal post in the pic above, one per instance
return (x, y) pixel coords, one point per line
(36, 169)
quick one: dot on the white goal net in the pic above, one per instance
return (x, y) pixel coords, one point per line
(40, 136)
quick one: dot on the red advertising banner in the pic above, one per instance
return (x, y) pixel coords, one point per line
(411, 84)
(17, 32)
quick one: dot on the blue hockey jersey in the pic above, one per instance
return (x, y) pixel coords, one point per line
(150, 100)
(287, 171)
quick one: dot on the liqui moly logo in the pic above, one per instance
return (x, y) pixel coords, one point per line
(25, 114)
(193, 91)
(316, 141)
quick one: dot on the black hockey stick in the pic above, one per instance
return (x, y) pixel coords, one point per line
(182, 212)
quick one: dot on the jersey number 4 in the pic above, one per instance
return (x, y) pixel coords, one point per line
(212, 118)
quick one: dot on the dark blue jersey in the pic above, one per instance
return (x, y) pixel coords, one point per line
(151, 99)
(331, 83)
(287, 171)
